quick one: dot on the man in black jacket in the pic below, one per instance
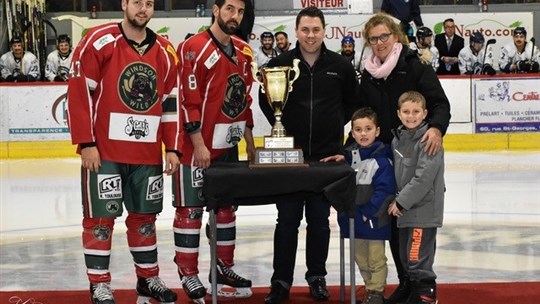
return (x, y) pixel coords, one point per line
(321, 103)
(449, 44)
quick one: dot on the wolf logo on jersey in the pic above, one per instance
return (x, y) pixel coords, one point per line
(235, 97)
(137, 86)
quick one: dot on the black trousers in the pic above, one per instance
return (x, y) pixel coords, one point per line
(290, 214)
(394, 248)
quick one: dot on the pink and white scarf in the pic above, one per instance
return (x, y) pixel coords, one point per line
(379, 69)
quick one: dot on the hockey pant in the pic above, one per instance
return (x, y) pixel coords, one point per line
(141, 236)
(187, 228)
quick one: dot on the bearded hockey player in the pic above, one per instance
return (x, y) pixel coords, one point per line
(471, 59)
(59, 60)
(122, 110)
(427, 53)
(519, 56)
(215, 77)
(19, 65)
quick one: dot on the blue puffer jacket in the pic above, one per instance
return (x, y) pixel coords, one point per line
(376, 187)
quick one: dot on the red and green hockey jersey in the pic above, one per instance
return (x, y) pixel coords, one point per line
(123, 99)
(214, 88)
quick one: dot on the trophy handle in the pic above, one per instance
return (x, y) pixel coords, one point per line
(254, 71)
(296, 71)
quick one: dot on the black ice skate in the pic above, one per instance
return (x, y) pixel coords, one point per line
(193, 288)
(101, 293)
(239, 287)
(154, 288)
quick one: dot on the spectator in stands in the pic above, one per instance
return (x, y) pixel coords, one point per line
(348, 51)
(282, 42)
(472, 59)
(266, 51)
(18, 65)
(449, 44)
(407, 11)
(519, 56)
(59, 60)
(427, 53)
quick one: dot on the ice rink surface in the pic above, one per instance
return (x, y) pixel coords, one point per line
(490, 234)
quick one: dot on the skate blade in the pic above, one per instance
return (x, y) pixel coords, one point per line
(232, 292)
(198, 301)
(146, 300)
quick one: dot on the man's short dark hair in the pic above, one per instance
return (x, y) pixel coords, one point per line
(311, 11)
(448, 20)
(281, 33)
(220, 3)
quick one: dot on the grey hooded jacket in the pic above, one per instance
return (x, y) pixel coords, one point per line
(419, 178)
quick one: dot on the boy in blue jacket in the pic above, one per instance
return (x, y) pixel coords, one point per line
(375, 186)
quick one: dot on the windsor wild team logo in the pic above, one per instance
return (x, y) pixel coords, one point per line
(235, 97)
(137, 86)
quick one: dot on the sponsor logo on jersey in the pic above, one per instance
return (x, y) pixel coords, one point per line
(197, 175)
(109, 186)
(101, 233)
(133, 127)
(147, 230)
(155, 187)
(103, 41)
(235, 134)
(212, 59)
(235, 97)
(227, 135)
(137, 86)
(137, 128)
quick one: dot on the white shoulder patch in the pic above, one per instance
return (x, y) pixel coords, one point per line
(212, 59)
(103, 41)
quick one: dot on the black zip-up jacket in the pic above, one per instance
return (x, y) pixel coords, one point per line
(409, 75)
(322, 101)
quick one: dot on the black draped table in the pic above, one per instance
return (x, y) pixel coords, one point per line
(227, 184)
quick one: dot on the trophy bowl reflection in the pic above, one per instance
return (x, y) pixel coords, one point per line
(278, 148)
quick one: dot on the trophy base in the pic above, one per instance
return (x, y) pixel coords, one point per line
(268, 158)
(285, 142)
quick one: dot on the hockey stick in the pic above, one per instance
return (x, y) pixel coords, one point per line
(489, 42)
(9, 19)
(532, 50)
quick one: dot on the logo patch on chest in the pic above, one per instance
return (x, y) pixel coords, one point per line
(235, 101)
(137, 86)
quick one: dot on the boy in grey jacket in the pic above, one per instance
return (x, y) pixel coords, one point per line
(420, 199)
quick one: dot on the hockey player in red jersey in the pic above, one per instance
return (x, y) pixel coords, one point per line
(122, 107)
(215, 83)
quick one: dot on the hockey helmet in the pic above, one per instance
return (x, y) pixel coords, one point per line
(63, 38)
(267, 35)
(15, 39)
(477, 37)
(520, 31)
(348, 39)
(423, 32)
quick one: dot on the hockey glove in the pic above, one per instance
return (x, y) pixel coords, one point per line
(523, 66)
(488, 69)
(535, 67)
(21, 78)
